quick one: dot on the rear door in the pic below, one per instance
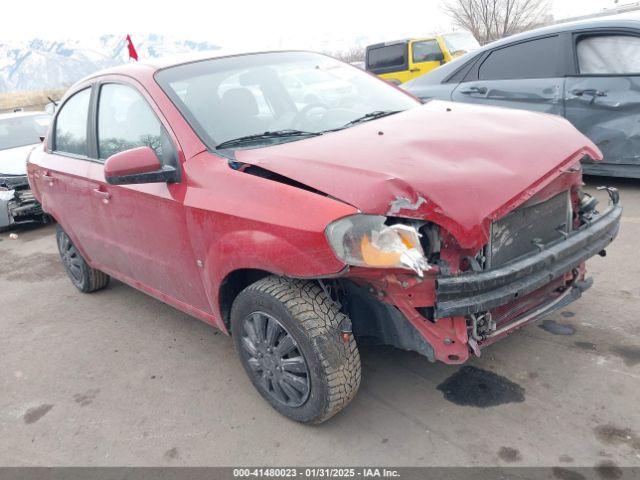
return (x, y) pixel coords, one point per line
(526, 75)
(145, 228)
(60, 175)
(602, 97)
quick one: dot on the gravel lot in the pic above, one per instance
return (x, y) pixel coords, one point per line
(118, 378)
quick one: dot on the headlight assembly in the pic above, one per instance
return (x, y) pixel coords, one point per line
(365, 240)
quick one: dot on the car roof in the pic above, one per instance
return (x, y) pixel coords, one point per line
(21, 114)
(149, 67)
(625, 20)
(413, 39)
(613, 21)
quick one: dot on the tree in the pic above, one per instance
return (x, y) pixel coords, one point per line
(352, 54)
(490, 20)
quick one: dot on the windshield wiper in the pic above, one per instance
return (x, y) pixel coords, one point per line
(371, 116)
(235, 142)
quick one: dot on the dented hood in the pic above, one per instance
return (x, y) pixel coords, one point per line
(455, 164)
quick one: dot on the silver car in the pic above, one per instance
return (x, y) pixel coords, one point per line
(587, 72)
(19, 133)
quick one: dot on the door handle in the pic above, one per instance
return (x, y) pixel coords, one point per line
(470, 90)
(105, 196)
(578, 92)
(48, 178)
(414, 70)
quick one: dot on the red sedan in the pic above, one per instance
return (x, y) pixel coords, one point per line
(303, 206)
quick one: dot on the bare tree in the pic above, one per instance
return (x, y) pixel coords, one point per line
(352, 54)
(490, 20)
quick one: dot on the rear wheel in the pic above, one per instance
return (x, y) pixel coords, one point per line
(287, 333)
(85, 278)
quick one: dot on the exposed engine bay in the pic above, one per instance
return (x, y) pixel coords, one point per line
(17, 202)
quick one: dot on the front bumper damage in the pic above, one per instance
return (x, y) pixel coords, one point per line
(479, 292)
(443, 309)
(18, 205)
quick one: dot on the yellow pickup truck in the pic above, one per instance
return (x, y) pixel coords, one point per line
(404, 60)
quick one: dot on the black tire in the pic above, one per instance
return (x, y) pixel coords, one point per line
(302, 311)
(85, 278)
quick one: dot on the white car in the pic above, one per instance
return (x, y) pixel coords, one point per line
(20, 132)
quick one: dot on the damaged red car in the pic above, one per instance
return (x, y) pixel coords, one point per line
(305, 206)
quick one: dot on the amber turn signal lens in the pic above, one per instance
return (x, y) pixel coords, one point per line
(375, 257)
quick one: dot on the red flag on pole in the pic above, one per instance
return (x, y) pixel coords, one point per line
(132, 50)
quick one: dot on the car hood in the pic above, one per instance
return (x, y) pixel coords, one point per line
(13, 161)
(458, 165)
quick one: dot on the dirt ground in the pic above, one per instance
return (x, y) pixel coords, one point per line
(118, 378)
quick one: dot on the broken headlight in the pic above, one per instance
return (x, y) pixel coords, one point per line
(366, 241)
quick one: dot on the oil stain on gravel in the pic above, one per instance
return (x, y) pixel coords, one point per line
(630, 355)
(172, 454)
(36, 413)
(34, 268)
(612, 435)
(566, 474)
(509, 455)
(86, 398)
(591, 347)
(608, 470)
(556, 328)
(474, 387)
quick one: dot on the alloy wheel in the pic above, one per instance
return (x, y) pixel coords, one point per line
(71, 259)
(275, 359)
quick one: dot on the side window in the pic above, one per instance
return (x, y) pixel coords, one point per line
(71, 125)
(533, 59)
(388, 56)
(126, 121)
(426, 51)
(609, 54)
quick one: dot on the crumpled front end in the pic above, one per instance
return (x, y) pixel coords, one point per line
(504, 226)
(532, 265)
(18, 205)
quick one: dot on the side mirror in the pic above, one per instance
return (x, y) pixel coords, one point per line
(50, 108)
(439, 57)
(138, 165)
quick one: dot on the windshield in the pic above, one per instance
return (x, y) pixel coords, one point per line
(459, 43)
(22, 130)
(283, 92)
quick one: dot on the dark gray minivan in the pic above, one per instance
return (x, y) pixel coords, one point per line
(588, 72)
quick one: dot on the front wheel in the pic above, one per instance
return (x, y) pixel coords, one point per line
(287, 333)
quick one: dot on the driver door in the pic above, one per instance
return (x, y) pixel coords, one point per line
(145, 229)
(425, 56)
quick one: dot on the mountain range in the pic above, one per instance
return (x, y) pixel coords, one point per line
(39, 64)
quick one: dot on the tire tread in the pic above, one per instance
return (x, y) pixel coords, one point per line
(320, 318)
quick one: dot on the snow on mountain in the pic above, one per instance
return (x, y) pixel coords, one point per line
(48, 64)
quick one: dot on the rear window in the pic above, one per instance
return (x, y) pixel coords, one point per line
(533, 59)
(389, 56)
